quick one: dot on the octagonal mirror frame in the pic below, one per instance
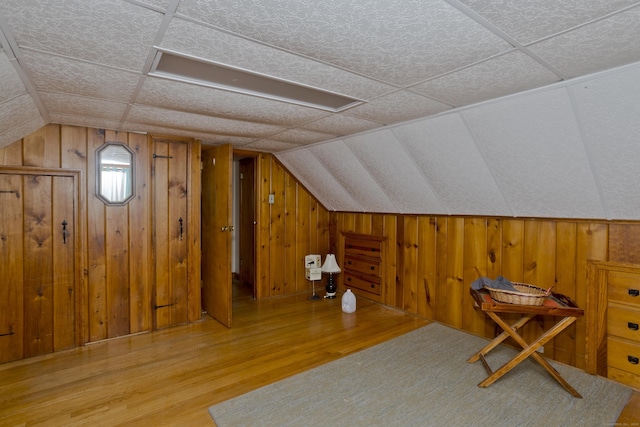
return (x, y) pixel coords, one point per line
(115, 173)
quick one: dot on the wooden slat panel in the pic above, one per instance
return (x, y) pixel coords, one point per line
(117, 283)
(12, 154)
(161, 237)
(410, 264)
(139, 241)
(426, 267)
(11, 268)
(475, 265)
(38, 271)
(263, 255)
(42, 147)
(276, 245)
(178, 286)
(194, 226)
(293, 264)
(96, 293)
(563, 346)
(64, 287)
(303, 233)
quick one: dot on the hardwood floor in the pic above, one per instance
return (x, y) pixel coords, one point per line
(171, 377)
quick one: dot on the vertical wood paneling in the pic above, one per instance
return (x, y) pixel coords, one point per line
(12, 154)
(96, 293)
(263, 237)
(11, 268)
(178, 232)
(426, 267)
(194, 252)
(64, 286)
(563, 346)
(42, 147)
(542, 252)
(474, 266)
(38, 270)
(303, 233)
(292, 262)
(139, 239)
(277, 243)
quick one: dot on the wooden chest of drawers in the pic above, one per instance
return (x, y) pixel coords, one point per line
(363, 265)
(623, 328)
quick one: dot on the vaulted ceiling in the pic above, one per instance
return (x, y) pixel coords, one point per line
(492, 107)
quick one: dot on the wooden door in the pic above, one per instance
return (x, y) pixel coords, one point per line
(38, 269)
(246, 228)
(216, 233)
(170, 232)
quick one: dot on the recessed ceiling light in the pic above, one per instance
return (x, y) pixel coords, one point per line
(183, 68)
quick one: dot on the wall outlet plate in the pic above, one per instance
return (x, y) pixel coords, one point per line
(272, 198)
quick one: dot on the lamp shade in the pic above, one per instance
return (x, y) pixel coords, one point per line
(330, 265)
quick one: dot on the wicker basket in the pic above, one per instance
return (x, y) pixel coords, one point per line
(526, 295)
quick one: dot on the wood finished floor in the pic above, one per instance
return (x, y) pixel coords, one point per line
(171, 377)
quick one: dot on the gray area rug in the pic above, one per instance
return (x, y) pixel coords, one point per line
(422, 378)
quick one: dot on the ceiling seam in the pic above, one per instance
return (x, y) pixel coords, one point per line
(12, 50)
(169, 13)
(486, 164)
(504, 36)
(362, 209)
(426, 180)
(579, 123)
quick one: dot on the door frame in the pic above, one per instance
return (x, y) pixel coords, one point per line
(79, 236)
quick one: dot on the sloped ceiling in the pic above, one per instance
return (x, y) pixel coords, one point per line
(468, 106)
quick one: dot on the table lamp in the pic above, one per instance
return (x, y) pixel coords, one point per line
(330, 267)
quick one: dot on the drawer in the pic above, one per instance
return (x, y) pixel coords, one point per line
(370, 248)
(624, 287)
(623, 322)
(368, 284)
(368, 266)
(623, 355)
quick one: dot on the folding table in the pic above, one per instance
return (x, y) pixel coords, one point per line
(552, 306)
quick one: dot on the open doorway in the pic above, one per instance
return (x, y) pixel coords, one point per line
(244, 212)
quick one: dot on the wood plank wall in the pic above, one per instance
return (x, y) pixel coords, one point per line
(117, 298)
(293, 226)
(433, 260)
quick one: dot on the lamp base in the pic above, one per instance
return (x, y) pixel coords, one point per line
(314, 297)
(331, 288)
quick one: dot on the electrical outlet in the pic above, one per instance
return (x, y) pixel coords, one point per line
(272, 198)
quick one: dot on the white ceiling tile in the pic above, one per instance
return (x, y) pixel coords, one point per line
(449, 159)
(395, 172)
(318, 180)
(85, 121)
(197, 40)
(19, 131)
(604, 44)
(340, 161)
(384, 41)
(71, 105)
(56, 74)
(109, 32)
(205, 138)
(270, 145)
(608, 110)
(302, 136)
(10, 83)
(187, 97)
(198, 123)
(17, 110)
(534, 149)
(341, 124)
(531, 20)
(397, 107)
(504, 75)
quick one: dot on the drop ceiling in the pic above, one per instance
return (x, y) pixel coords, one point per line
(447, 90)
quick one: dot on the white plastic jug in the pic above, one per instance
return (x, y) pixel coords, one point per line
(348, 302)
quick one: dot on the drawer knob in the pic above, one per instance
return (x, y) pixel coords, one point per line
(632, 326)
(373, 285)
(372, 268)
(633, 360)
(634, 292)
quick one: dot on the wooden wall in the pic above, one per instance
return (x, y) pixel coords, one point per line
(293, 226)
(117, 256)
(433, 260)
